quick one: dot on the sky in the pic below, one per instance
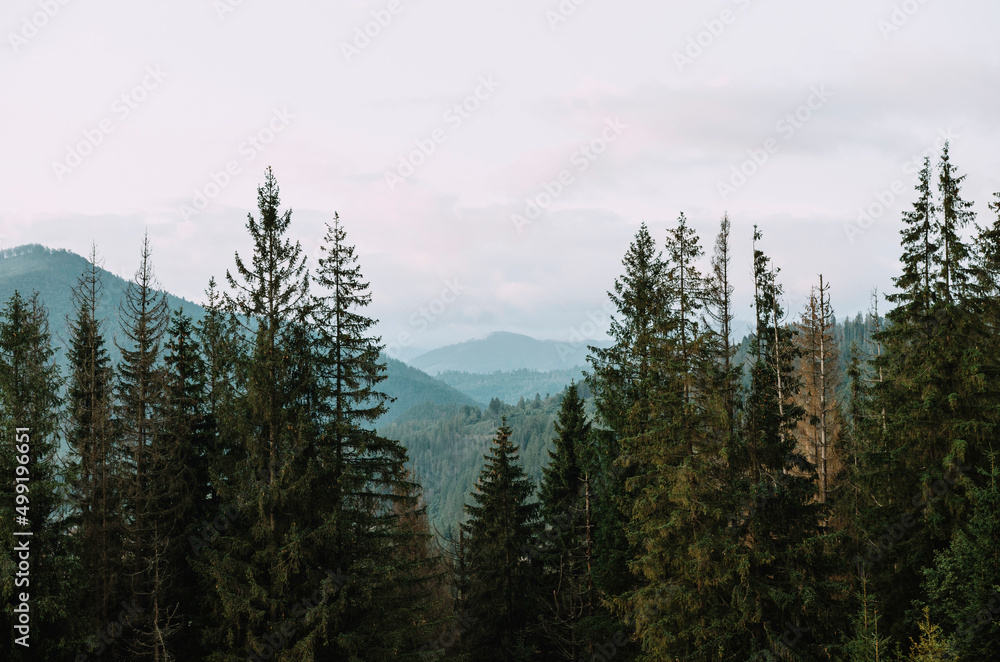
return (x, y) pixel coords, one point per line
(493, 160)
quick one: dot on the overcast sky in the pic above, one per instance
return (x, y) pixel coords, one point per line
(429, 125)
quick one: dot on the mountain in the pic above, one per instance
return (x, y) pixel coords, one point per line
(53, 273)
(505, 351)
(411, 387)
(511, 386)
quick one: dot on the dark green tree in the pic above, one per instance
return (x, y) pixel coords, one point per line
(95, 458)
(502, 578)
(32, 492)
(566, 536)
(370, 515)
(623, 379)
(185, 501)
(253, 579)
(152, 528)
(781, 592)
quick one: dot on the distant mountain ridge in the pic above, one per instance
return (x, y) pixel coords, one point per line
(54, 272)
(505, 351)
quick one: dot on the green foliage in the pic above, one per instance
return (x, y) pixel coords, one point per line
(512, 385)
(29, 409)
(502, 578)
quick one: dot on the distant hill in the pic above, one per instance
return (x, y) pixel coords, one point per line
(411, 387)
(511, 386)
(504, 351)
(53, 273)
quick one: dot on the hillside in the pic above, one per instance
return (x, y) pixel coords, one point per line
(53, 274)
(505, 352)
(510, 386)
(447, 443)
(411, 387)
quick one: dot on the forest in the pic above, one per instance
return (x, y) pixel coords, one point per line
(220, 488)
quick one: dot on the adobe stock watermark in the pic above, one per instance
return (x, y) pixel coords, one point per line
(786, 128)
(454, 118)
(581, 159)
(249, 148)
(975, 623)
(899, 528)
(593, 328)
(887, 197)
(371, 30)
(782, 648)
(705, 39)
(224, 7)
(562, 13)
(282, 635)
(99, 642)
(33, 24)
(425, 315)
(121, 109)
(899, 17)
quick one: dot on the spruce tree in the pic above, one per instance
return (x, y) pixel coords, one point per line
(30, 386)
(95, 457)
(254, 581)
(623, 380)
(781, 560)
(502, 580)
(371, 520)
(152, 527)
(185, 501)
(931, 390)
(565, 540)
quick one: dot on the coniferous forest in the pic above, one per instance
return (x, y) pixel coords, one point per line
(219, 489)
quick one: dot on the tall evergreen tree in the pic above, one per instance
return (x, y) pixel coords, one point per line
(501, 577)
(818, 367)
(371, 520)
(95, 457)
(254, 581)
(151, 525)
(623, 380)
(954, 214)
(780, 556)
(931, 393)
(185, 501)
(566, 542)
(676, 518)
(32, 492)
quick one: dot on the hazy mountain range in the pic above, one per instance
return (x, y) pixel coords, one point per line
(505, 365)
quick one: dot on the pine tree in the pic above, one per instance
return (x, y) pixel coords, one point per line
(30, 386)
(501, 578)
(185, 501)
(931, 391)
(371, 504)
(868, 644)
(253, 580)
(962, 587)
(565, 539)
(818, 348)
(95, 463)
(151, 524)
(954, 214)
(725, 376)
(623, 380)
(622, 376)
(780, 557)
(665, 485)
(931, 647)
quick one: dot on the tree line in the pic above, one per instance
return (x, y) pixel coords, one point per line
(224, 495)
